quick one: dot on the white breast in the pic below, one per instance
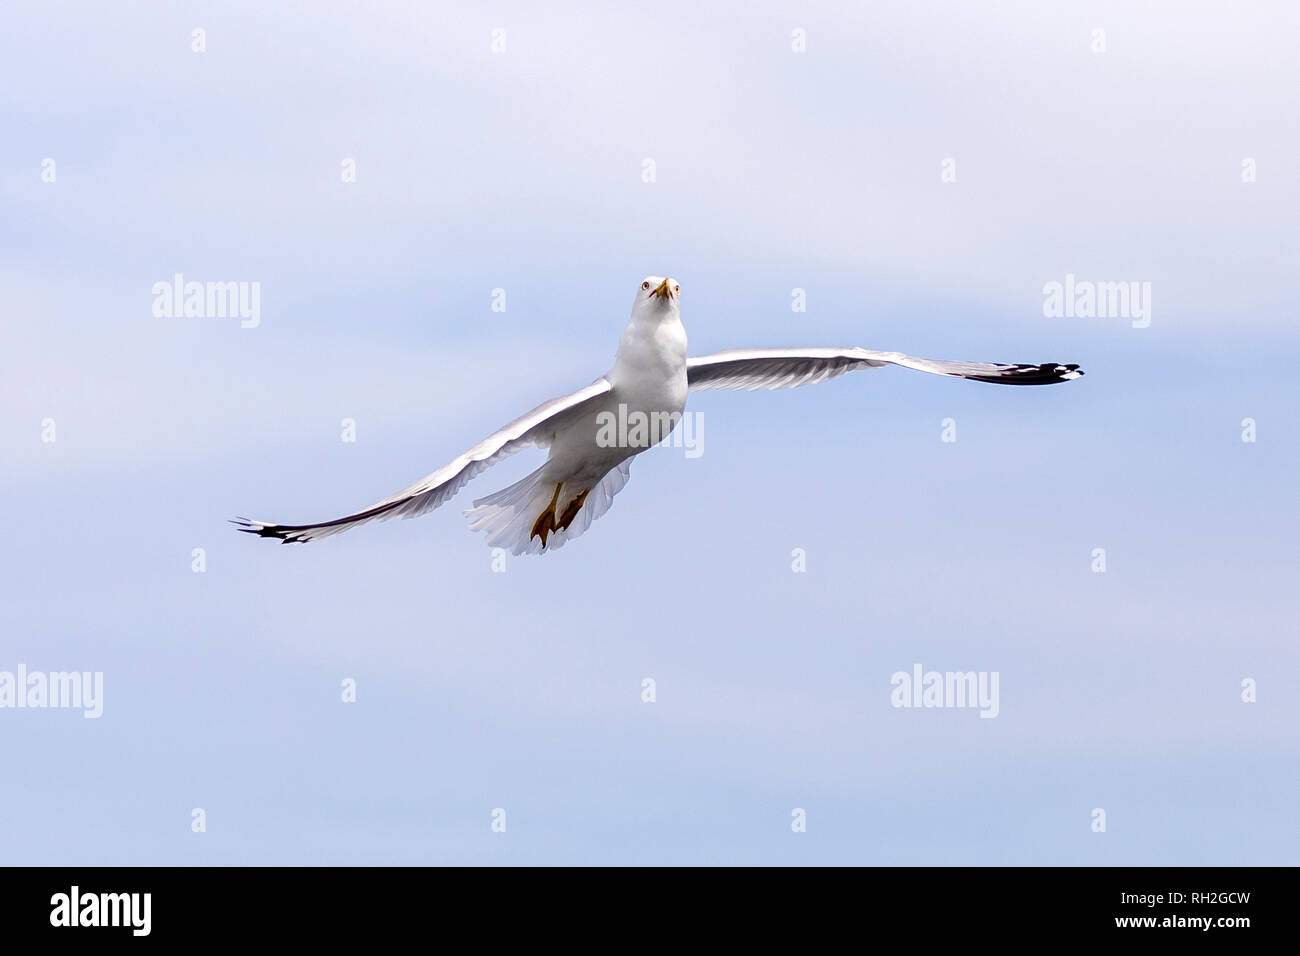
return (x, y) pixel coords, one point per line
(649, 371)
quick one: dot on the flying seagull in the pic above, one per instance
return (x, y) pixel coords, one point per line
(589, 457)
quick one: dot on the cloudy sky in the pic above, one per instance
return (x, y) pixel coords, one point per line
(921, 170)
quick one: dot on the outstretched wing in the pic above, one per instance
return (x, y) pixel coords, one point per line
(537, 428)
(751, 369)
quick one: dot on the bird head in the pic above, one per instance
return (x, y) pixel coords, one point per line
(657, 297)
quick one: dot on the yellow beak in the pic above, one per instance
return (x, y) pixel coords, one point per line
(663, 289)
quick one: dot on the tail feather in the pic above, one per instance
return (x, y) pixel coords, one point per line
(509, 516)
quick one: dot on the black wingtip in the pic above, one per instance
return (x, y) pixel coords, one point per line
(1049, 373)
(248, 526)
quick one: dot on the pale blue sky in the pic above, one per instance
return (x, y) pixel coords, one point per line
(775, 170)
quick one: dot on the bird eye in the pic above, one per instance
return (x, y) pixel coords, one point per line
(645, 285)
(677, 288)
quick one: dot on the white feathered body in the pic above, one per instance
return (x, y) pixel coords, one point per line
(649, 382)
(585, 469)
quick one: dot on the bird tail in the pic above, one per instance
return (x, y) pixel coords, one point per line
(523, 517)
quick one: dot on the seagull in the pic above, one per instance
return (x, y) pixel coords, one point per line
(591, 447)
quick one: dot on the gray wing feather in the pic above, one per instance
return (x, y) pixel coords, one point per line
(751, 369)
(535, 429)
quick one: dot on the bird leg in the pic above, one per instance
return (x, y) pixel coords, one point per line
(571, 511)
(545, 522)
